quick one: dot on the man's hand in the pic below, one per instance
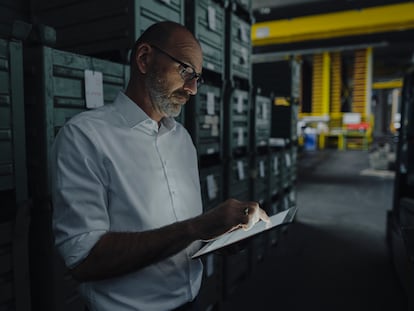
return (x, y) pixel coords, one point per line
(228, 216)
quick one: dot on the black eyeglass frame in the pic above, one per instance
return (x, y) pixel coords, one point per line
(191, 75)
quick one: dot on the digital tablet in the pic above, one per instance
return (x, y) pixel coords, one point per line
(282, 218)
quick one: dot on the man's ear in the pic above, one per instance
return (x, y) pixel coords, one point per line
(143, 57)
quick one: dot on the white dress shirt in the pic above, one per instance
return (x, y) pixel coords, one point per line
(114, 169)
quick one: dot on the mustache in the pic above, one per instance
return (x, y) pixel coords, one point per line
(181, 94)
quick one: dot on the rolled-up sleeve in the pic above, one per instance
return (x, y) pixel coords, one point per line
(78, 183)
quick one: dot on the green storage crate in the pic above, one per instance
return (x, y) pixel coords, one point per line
(236, 270)
(238, 179)
(260, 180)
(258, 248)
(55, 92)
(237, 116)
(284, 121)
(262, 121)
(211, 183)
(104, 27)
(273, 234)
(206, 18)
(14, 256)
(274, 172)
(204, 120)
(13, 174)
(239, 49)
(210, 295)
(285, 172)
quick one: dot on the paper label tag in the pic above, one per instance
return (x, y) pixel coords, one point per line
(240, 136)
(243, 34)
(262, 169)
(287, 159)
(265, 114)
(93, 89)
(244, 56)
(211, 18)
(210, 103)
(240, 170)
(239, 105)
(276, 165)
(211, 187)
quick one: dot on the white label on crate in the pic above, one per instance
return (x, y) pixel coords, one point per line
(210, 150)
(210, 103)
(209, 265)
(240, 170)
(240, 136)
(211, 187)
(211, 18)
(215, 130)
(210, 66)
(265, 114)
(93, 89)
(244, 55)
(243, 34)
(276, 165)
(261, 169)
(239, 105)
(287, 159)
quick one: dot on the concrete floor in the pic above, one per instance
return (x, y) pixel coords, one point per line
(334, 257)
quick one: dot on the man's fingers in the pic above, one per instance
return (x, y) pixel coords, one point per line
(263, 216)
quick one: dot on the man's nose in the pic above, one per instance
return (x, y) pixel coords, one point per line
(190, 86)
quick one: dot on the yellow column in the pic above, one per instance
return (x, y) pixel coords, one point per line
(321, 84)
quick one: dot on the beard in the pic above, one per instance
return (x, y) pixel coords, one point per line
(162, 100)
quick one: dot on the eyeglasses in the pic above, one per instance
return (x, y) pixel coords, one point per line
(187, 72)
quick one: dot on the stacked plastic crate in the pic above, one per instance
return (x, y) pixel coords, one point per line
(284, 139)
(237, 131)
(14, 198)
(204, 120)
(55, 90)
(261, 167)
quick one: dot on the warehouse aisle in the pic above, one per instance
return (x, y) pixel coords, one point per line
(334, 257)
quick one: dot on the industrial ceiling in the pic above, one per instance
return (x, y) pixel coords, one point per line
(391, 34)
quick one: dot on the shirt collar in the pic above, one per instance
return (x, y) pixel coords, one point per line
(136, 117)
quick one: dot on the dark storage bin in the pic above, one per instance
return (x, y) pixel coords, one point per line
(275, 178)
(204, 120)
(209, 297)
(211, 182)
(262, 121)
(103, 27)
(14, 255)
(239, 49)
(206, 19)
(237, 116)
(55, 92)
(13, 174)
(284, 121)
(238, 173)
(260, 180)
(236, 270)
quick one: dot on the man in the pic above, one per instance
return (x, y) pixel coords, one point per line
(127, 203)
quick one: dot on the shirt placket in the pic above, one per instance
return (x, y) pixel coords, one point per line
(172, 187)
